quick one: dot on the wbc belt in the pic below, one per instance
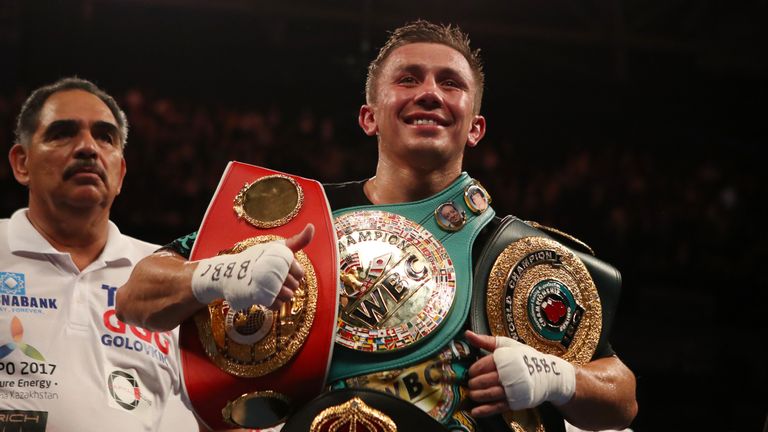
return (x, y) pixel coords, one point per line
(252, 367)
(406, 277)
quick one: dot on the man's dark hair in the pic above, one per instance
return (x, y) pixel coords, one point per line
(29, 117)
(427, 32)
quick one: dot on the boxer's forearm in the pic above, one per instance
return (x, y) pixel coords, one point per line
(605, 396)
(158, 295)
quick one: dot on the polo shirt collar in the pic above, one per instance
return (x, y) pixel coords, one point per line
(23, 237)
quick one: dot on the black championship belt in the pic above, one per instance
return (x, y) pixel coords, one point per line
(360, 410)
(534, 289)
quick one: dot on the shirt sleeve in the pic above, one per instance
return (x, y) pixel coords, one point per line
(182, 245)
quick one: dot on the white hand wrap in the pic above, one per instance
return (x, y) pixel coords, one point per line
(530, 377)
(253, 276)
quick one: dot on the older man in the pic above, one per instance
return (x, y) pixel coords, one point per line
(66, 361)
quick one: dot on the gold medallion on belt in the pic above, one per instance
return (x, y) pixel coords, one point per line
(354, 416)
(397, 281)
(256, 341)
(541, 294)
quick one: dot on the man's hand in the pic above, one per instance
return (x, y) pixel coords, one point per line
(265, 274)
(516, 376)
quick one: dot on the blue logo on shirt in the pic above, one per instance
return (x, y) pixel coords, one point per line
(13, 292)
(12, 283)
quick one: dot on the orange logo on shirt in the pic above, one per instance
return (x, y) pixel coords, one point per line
(17, 334)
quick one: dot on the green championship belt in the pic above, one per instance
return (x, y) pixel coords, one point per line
(406, 277)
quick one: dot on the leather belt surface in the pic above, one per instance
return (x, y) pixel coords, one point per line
(224, 353)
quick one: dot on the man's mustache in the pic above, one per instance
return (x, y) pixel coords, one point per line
(85, 165)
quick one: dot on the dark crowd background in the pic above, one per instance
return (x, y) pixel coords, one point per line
(635, 126)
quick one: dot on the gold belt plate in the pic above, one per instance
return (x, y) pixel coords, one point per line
(541, 294)
(398, 282)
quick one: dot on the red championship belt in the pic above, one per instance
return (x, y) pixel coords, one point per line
(250, 368)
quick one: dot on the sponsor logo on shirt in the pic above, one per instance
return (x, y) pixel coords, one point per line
(12, 283)
(155, 345)
(17, 333)
(14, 299)
(26, 375)
(23, 421)
(126, 392)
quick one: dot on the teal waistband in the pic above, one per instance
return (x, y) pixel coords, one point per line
(347, 362)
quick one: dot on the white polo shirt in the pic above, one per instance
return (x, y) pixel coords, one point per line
(66, 362)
